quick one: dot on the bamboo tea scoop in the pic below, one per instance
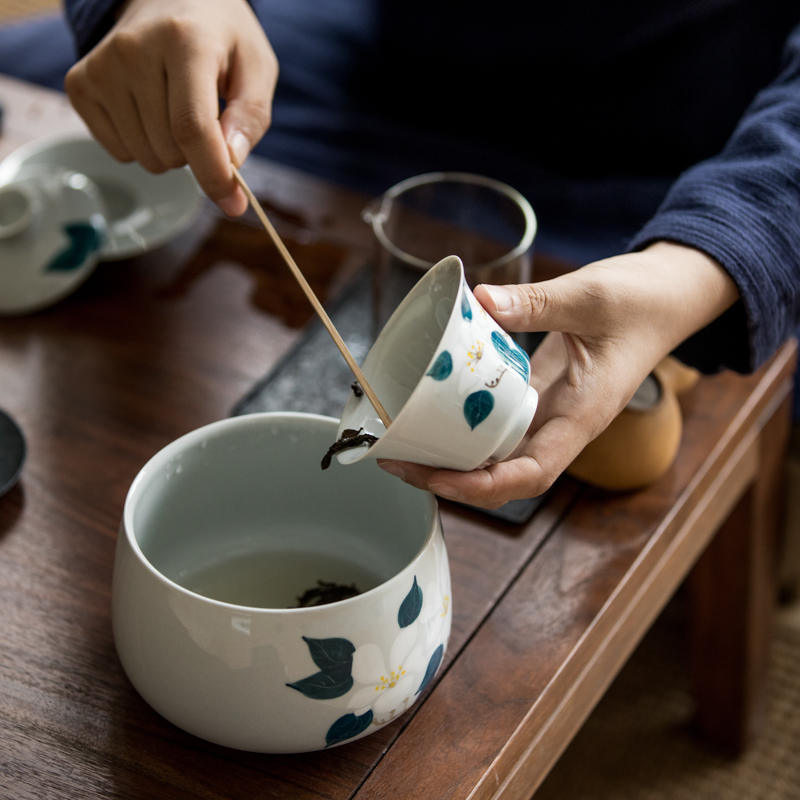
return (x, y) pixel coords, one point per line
(309, 292)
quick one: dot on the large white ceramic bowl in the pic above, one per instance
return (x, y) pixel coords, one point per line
(453, 382)
(142, 210)
(229, 525)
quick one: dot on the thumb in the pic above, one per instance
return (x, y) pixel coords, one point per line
(248, 109)
(553, 305)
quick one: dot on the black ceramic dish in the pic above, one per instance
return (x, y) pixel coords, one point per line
(12, 452)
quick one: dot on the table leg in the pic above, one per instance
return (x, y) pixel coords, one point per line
(733, 593)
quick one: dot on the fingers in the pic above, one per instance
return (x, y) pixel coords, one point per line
(130, 129)
(565, 422)
(555, 305)
(548, 454)
(490, 487)
(248, 110)
(194, 123)
(124, 104)
(150, 90)
(152, 108)
(95, 116)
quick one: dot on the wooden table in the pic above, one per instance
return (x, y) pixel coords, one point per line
(545, 614)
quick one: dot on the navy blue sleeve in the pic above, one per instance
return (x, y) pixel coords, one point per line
(90, 20)
(742, 207)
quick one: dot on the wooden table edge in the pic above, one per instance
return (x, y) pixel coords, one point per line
(522, 765)
(557, 713)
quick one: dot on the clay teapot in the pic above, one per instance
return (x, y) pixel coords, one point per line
(641, 443)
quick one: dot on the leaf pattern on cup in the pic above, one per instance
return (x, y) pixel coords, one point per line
(433, 665)
(441, 368)
(512, 354)
(334, 657)
(477, 407)
(347, 727)
(411, 606)
(466, 308)
(84, 239)
(388, 681)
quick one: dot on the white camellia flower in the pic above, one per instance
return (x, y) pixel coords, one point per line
(389, 687)
(476, 337)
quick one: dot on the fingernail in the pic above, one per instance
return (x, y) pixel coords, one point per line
(393, 468)
(500, 297)
(239, 146)
(444, 490)
(229, 206)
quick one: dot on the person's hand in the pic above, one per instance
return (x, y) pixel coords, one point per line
(612, 322)
(149, 91)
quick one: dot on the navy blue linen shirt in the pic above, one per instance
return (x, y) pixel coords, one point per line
(560, 98)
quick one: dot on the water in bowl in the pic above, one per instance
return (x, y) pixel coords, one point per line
(275, 579)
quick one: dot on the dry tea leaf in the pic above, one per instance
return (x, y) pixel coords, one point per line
(349, 438)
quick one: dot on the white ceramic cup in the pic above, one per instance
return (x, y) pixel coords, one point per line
(225, 528)
(453, 382)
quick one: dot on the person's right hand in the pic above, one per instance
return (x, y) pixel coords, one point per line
(149, 91)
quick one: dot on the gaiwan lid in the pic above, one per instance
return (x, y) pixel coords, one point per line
(52, 225)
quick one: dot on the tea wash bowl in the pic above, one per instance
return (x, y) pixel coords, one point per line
(225, 528)
(454, 383)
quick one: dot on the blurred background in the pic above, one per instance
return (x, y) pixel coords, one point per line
(13, 9)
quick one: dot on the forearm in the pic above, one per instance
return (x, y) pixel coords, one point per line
(689, 290)
(743, 209)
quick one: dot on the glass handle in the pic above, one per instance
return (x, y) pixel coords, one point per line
(372, 211)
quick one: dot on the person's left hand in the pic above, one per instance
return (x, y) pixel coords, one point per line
(613, 321)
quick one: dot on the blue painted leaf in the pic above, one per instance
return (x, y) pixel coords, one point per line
(411, 606)
(347, 727)
(477, 407)
(324, 685)
(512, 354)
(334, 657)
(331, 654)
(442, 367)
(466, 310)
(433, 665)
(84, 239)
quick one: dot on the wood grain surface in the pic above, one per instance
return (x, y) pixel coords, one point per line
(544, 614)
(587, 596)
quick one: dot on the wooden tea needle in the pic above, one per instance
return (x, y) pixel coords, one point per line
(309, 292)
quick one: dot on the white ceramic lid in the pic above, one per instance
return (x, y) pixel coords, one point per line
(52, 227)
(143, 210)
